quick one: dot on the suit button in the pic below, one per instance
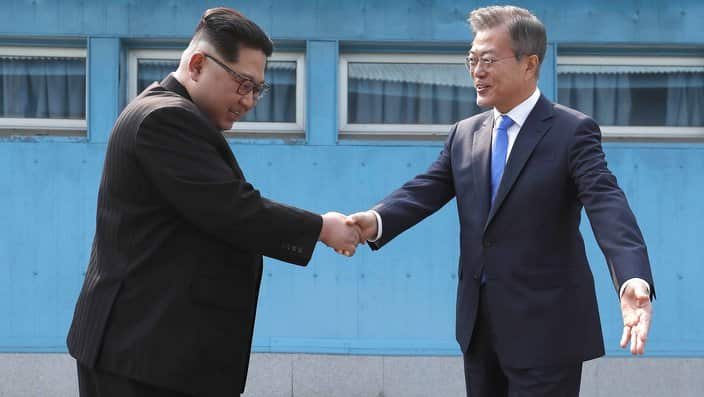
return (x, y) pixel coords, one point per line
(488, 243)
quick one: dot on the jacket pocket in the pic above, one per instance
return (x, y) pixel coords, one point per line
(222, 292)
(549, 279)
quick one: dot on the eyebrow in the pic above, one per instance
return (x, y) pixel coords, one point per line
(249, 76)
(489, 52)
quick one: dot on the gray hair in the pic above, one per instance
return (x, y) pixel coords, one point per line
(527, 33)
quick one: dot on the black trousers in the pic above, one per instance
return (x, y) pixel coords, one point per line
(93, 382)
(485, 376)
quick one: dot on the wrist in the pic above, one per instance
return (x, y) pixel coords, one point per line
(324, 229)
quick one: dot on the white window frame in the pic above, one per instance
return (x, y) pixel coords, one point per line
(240, 128)
(639, 132)
(400, 131)
(41, 126)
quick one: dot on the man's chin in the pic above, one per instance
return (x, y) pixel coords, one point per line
(226, 125)
(484, 102)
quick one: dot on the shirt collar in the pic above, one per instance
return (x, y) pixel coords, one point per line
(520, 113)
(172, 84)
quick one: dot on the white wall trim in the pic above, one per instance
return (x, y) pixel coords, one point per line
(629, 60)
(59, 52)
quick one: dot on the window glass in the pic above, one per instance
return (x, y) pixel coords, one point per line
(408, 93)
(42, 87)
(635, 95)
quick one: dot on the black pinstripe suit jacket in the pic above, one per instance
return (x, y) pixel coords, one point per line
(172, 283)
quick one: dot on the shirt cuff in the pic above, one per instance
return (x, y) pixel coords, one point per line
(378, 227)
(625, 284)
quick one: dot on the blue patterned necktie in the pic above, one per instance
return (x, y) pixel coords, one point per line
(499, 147)
(498, 154)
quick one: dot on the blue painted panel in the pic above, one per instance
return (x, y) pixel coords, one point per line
(396, 301)
(48, 217)
(664, 187)
(548, 77)
(406, 291)
(321, 92)
(103, 87)
(594, 21)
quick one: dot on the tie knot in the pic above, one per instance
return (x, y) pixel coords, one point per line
(505, 122)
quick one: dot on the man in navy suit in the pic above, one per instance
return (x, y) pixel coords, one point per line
(527, 314)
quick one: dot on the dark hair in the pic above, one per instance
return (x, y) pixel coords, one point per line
(527, 33)
(227, 30)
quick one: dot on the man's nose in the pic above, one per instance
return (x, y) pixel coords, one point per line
(479, 69)
(247, 100)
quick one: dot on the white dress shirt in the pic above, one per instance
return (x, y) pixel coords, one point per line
(519, 114)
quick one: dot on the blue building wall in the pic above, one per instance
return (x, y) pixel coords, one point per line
(399, 300)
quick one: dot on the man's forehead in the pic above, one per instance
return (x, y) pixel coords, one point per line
(488, 44)
(251, 63)
(481, 51)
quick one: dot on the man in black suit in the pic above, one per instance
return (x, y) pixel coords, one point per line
(168, 303)
(521, 173)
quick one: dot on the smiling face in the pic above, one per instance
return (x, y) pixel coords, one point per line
(507, 82)
(215, 91)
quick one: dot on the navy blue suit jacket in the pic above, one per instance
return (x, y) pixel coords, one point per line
(540, 288)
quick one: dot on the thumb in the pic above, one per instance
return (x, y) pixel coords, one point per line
(641, 294)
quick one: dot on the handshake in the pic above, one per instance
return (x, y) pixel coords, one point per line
(343, 233)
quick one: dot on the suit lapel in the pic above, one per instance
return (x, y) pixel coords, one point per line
(481, 154)
(537, 124)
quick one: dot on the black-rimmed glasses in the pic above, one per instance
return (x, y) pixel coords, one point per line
(247, 85)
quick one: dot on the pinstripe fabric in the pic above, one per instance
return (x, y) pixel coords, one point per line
(170, 294)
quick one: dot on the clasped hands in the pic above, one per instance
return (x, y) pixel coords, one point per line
(344, 233)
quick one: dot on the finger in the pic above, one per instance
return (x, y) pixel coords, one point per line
(643, 330)
(634, 341)
(354, 218)
(357, 234)
(626, 336)
(345, 252)
(641, 293)
(641, 344)
(644, 321)
(638, 346)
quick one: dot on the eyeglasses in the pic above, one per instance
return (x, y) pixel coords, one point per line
(247, 85)
(471, 62)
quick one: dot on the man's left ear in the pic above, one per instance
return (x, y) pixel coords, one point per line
(195, 65)
(532, 65)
